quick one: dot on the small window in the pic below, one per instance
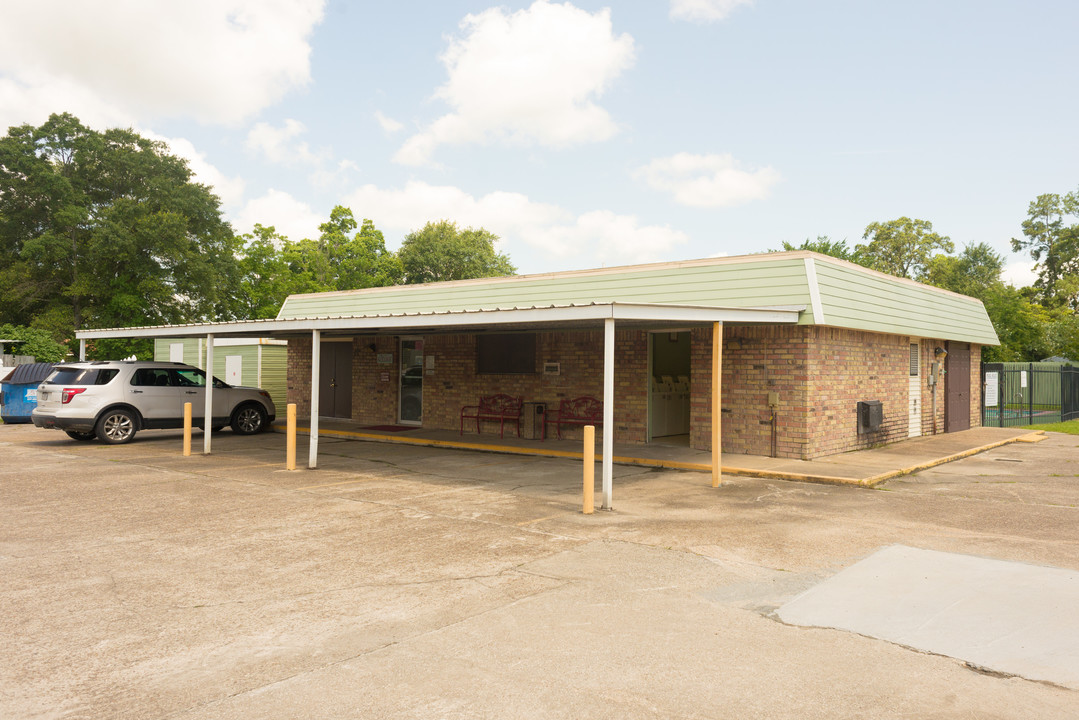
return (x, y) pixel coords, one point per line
(914, 360)
(506, 354)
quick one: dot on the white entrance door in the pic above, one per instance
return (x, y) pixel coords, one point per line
(914, 427)
(176, 352)
(234, 369)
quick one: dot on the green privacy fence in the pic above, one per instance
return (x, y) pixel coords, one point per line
(1015, 394)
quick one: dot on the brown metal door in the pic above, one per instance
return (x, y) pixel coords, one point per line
(335, 380)
(957, 387)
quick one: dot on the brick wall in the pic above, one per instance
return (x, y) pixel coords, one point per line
(756, 361)
(299, 375)
(818, 374)
(975, 385)
(453, 382)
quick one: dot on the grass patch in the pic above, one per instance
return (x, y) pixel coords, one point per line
(1070, 427)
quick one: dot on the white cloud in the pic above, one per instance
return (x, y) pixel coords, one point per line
(279, 145)
(230, 190)
(704, 10)
(111, 63)
(594, 238)
(707, 180)
(526, 77)
(388, 124)
(1020, 273)
(289, 217)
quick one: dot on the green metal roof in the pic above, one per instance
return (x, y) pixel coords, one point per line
(836, 293)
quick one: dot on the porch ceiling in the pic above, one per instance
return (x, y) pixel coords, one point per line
(591, 317)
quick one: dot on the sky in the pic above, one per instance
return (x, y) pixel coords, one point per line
(583, 134)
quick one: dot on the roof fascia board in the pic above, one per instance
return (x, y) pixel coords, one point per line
(523, 316)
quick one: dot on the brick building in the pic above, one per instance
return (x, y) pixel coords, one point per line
(817, 355)
(790, 387)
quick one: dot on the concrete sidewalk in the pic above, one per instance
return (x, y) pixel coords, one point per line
(861, 467)
(1007, 617)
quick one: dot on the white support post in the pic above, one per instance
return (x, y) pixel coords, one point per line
(316, 340)
(208, 409)
(717, 404)
(82, 349)
(608, 411)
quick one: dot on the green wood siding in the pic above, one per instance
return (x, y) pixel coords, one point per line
(275, 375)
(850, 296)
(854, 298)
(748, 284)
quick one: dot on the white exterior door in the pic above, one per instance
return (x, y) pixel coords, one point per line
(234, 369)
(176, 352)
(915, 391)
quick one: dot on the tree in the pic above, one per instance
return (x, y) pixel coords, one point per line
(31, 341)
(107, 229)
(340, 260)
(823, 245)
(974, 272)
(901, 247)
(440, 251)
(265, 277)
(1052, 244)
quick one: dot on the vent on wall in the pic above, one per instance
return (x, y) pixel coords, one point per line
(870, 416)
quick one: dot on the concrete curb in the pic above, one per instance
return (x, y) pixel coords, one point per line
(870, 481)
(875, 479)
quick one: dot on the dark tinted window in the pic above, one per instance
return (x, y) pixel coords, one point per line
(151, 377)
(81, 376)
(506, 354)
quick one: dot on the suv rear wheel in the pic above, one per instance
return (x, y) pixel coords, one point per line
(116, 426)
(248, 419)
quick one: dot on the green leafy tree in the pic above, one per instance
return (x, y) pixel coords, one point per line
(32, 341)
(823, 245)
(442, 251)
(975, 271)
(342, 258)
(107, 229)
(265, 276)
(901, 247)
(1053, 244)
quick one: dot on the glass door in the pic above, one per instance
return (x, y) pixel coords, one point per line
(410, 401)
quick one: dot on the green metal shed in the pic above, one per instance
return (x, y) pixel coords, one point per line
(254, 362)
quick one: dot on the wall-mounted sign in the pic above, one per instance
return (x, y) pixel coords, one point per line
(385, 358)
(385, 377)
(992, 386)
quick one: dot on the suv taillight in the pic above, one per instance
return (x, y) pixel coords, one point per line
(68, 393)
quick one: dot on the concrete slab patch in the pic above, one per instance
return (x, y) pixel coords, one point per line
(1006, 617)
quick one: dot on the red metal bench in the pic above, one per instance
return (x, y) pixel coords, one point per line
(499, 407)
(585, 410)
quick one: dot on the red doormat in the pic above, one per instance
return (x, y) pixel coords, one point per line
(390, 428)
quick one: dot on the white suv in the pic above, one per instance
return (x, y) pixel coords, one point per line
(112, 400)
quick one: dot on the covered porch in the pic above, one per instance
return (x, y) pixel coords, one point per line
(604, 317)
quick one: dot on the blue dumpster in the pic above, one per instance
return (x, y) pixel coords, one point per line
(20, 391)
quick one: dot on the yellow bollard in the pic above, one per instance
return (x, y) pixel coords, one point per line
(589, 469)
(290, 438)
(187, 429)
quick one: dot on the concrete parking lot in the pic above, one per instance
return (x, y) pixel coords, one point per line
(398, 581)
